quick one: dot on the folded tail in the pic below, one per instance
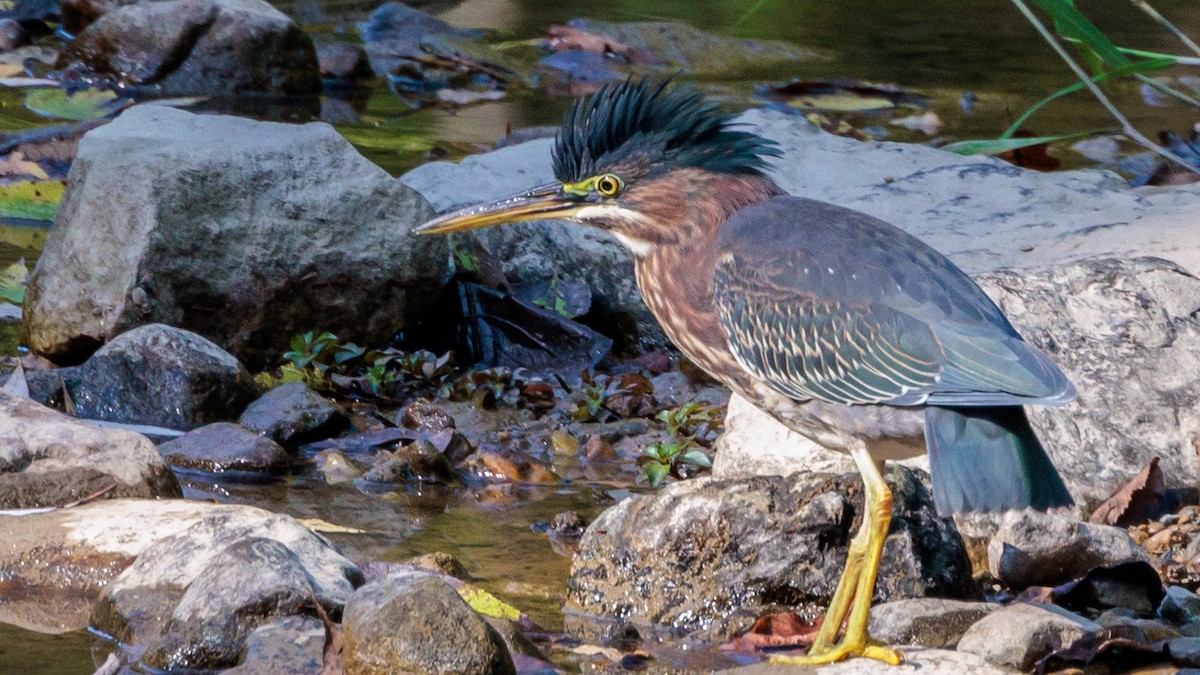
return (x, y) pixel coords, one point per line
(989, 460)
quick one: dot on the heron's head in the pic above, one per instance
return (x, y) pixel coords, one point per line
(640, 160)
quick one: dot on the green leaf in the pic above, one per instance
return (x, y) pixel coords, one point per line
(997, 146)
(656, 472)
(1070, 23)
(698, 458)
(88, 104)
(35, 200)
(12, 282)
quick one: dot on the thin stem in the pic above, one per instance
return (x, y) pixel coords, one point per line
(1169, 91)
(1162, 21)
(1127, 128)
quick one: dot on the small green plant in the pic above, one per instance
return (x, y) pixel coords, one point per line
(693, 420)
(310, 350)
(672, 458)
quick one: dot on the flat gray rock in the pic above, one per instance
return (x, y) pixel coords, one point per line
(222, 447)
(1047, 549)
(1180, 605)
(50, 459)
(298, 232)
(1018, 635)
(926, 622)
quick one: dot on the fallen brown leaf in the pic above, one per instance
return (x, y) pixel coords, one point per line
(1137, 501)
(785, 629)
(1036, 157)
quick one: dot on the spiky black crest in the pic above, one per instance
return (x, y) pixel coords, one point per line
(646, 125)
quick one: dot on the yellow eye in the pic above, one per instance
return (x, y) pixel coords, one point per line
(609, 185)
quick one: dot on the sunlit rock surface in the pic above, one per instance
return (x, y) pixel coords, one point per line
(211, 576)
(705, 557)
(50, 459)
(245, 232)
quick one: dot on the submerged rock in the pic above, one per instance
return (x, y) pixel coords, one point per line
(413, 622)
(222, 447)
(194, 48)
(193, 597)
(50, 459)
(706, 557)
(292, 414)
(155, 375)
(299, 232)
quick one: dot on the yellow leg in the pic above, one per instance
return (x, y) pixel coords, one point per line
(852, 600)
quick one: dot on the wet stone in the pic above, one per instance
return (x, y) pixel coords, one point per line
(415, 622)
(1019, 635)
(50, 459)
(1180, 605)
(244, 585)
(423, 415)
(1185, 651)
(441, 563)
(224, 447)
(417, 462)
(292, 414)
(154, 374)
(293, 645)
(926, 622)
(344, 63)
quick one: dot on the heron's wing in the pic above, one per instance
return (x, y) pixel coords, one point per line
(824, 302)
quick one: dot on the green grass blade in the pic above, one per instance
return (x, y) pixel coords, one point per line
(1143, 66)
(995, 147)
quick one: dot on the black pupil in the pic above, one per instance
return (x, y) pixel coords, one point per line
(608, 185)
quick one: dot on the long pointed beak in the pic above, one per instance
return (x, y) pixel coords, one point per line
(547, 201)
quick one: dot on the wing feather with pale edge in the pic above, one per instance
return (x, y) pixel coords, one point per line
(826, 303)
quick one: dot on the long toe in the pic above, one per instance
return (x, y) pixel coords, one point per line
(843, 651)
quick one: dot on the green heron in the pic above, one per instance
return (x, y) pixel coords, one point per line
(844, 328)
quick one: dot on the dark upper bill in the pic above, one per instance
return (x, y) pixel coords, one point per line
(547, 201)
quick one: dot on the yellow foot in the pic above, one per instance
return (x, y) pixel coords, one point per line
(842, 651)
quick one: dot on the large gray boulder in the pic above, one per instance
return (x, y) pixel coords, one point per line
(193, 47)
(49, 459)
(706, 557)
(245, 232)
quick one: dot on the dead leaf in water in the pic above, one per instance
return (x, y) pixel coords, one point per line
(16, 166)
(1139, 500)
(566, 38)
